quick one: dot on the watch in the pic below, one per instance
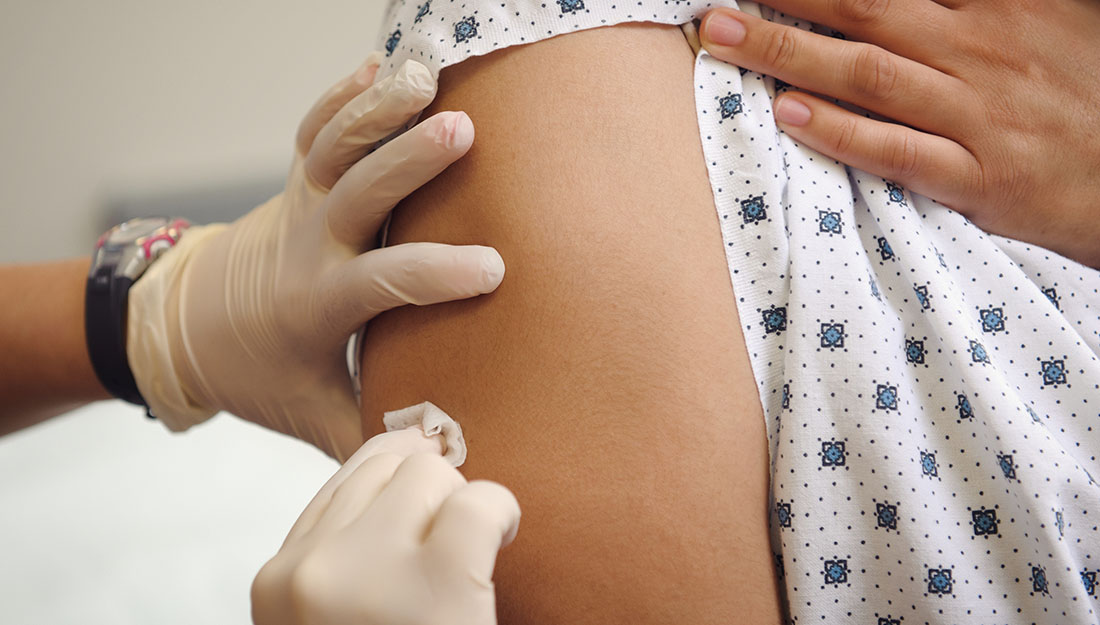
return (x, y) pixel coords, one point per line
(122, 255)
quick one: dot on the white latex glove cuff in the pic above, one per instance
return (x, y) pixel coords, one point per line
(147, 337)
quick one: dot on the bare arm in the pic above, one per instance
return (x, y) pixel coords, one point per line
(606, 381)
(44, 365)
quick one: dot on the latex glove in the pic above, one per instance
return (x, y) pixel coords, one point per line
(391, 541)
(254, 317)
(1002, 118)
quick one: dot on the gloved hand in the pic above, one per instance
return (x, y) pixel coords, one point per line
(254, 317)
(391, 541)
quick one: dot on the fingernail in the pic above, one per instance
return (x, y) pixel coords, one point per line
(492, 267)
(458, 131)
(724, 30)
(790, 111)
(366, 72)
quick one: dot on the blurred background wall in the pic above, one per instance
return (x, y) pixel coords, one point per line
(111, 107)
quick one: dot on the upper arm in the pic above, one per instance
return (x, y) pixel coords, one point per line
(606, 382)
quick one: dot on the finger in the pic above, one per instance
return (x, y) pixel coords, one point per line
(402, 443)
(334, 99)
(365, 195)
(362, 488)
(859, 73)
(410, 273)
(472, 525)
(374, 473)
(917, 29)
(373, 115)
(927, 164)
(411, 499)
(327, 503)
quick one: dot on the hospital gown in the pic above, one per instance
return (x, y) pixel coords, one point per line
(931, 392)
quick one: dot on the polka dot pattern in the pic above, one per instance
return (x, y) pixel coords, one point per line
(932, 392)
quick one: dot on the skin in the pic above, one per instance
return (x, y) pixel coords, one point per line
(44, 366)
(1000, 110)
(606, 381)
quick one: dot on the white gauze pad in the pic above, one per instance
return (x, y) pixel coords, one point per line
(433, 421)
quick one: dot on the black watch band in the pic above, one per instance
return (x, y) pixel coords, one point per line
(105, 302)
(121, 257)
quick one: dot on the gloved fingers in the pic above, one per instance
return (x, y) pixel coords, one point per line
(334, 99)
(385, 452)
(409, 502)
(365, 195)
(472, 525)
(403, 443)
(410, 273)
(361, 490)
(373, 473)
(371, 116)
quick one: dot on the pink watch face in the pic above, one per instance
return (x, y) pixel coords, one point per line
(163, 239)
(155, 245)
(132, 246)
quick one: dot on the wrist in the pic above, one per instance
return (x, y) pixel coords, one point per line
(44, 367)
(158, 345)
(122, 256)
